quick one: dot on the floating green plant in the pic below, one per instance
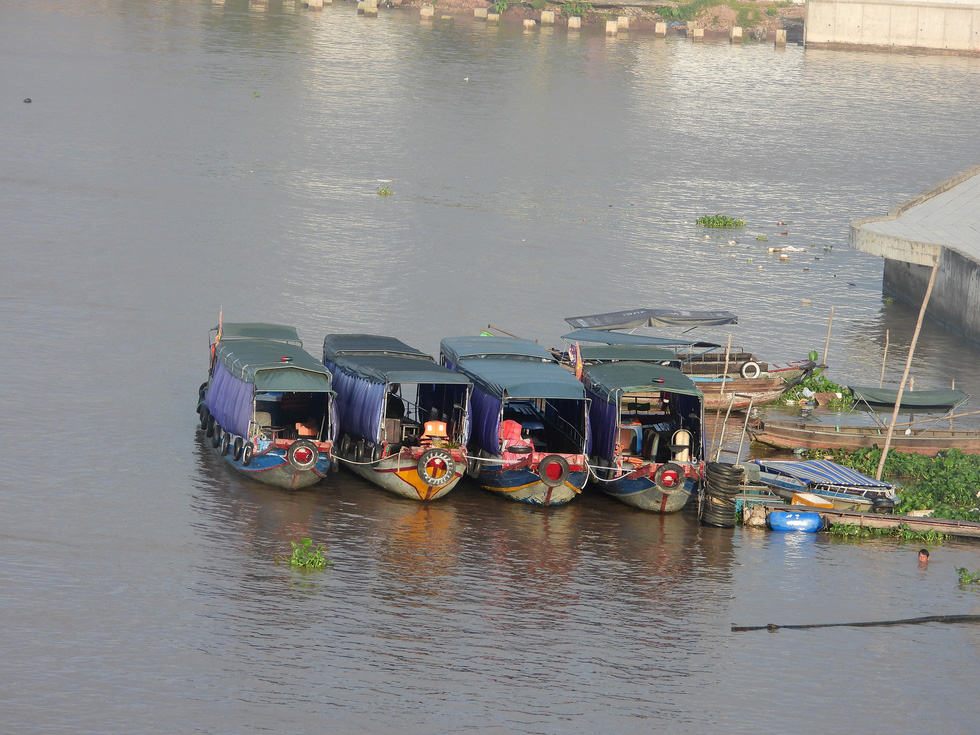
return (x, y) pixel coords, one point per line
(306, 555)
(762, 238)
(384, 191)
(968, 577)
(903, 532)
(719, 220)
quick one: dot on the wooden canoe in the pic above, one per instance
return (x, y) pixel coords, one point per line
(758, 392)
(822, 436)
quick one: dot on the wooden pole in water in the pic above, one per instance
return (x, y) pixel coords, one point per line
(721, 395)
(883, 358)
(951, 387)
(826, 346)
(908, 366)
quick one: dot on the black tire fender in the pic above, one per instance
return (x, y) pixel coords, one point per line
(302, 454)
(669, 478)
(247, 453)
(209, 429)
(436, 467)
(205, 417)
(343, 446)
(224, 444)
(750, 370)
(546, 467)
(216, 435)
(237, 448)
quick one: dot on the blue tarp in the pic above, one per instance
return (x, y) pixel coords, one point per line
(230, 400)
(361, 403)
(821, 472)
(625, 338)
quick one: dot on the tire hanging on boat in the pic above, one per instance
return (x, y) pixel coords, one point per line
(237, 447)
(302, 454)
(750, 370)
(209, 429)
(436, 467)
(247, 453)
(216, 435)
(546, 469)
(343, 446)
(224, 444)
(669, 478)
(205, 417)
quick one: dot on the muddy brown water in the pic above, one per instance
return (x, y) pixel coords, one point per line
(181, 158)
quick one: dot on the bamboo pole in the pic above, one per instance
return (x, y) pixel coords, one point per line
(721, 395)
(883, 358)
(952, 387)
(826, 346)
(908, 367)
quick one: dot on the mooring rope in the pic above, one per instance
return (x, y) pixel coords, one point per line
(868, 624)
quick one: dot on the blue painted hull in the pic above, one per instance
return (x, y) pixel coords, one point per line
(272, 468)
(645, 494)
(524, 485)
(806, 522)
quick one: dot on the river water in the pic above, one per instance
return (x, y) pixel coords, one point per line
(181, 158)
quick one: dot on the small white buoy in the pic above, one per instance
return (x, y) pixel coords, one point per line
(466, 79)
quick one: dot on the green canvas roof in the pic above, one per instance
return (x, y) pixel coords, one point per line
(386, 360)
(611, 380)
(260, 330)
(506, 367)
(604, 353)
(274, 366)
(921, 399)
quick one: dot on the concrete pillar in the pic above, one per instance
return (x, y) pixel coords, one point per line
(612, 28)
(574, 22)
(698, 34)
(427, 11)
(530, 24)
(371, 11)
(480, 13)
(781, 37)
(314, 4)
(623, 22)
(660, 30)
(548, 17)
(493, 18)
(360, 8)
(689, 27)
(736, 34)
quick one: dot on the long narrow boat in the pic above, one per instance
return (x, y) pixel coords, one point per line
(647, 445)
(267, 406)
(919, 400)
(403, 419)
(785, 435)
(529, 419)
(740, 393)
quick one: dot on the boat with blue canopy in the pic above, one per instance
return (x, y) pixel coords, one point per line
(528, 416)
(267, 407)
(403, 417)
(647, 441)
(826, 479)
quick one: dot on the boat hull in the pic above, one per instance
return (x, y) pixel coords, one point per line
(928, 442)
(519, 480)
(401, 476)
(639, 488)
(273, 468)
(741, 392)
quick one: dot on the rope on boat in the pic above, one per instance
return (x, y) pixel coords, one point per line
(906, 621)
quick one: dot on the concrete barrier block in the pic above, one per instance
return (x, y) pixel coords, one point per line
(623, 22)
(689, 27)
(574, 22)
(660, 30)
(698, 34)
(480, 13)
(314, 4)
(612, 28)
(427, 11)
(371, 11)
(530, 24)
(493, 18)
(548, 17)
(736, 34)
(360, 8)
(781, 37)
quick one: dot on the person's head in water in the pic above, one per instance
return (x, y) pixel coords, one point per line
(923, 556)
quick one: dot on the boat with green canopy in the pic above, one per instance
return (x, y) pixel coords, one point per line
(267, 406)
(403, 419)
(528, 419)
(647, 421)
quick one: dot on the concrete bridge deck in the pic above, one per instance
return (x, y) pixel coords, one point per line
(942, 223)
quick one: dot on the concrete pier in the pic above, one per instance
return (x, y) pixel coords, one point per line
(943, 223)
(575, 22)
(612, 28)
(480, 13)
(660, 30)
(736, 34)
(427, 11)
(548, 17)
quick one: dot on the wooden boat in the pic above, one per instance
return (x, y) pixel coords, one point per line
(402, 416)
(843, 487)
(807, 522)
(267, 406)
(647, 446)
(740, 393)
(528, 419)
(695, 357)
(786, 435)
(919, 400)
